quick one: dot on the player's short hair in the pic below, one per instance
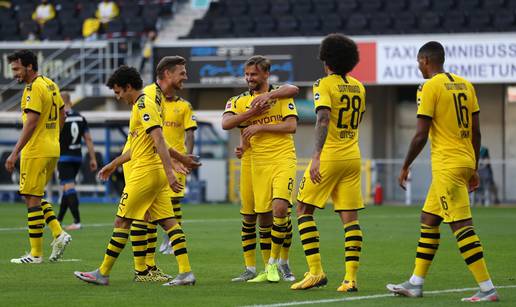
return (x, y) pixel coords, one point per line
(434, 51)
(339, 53)
(26, 58)
(168, 63)
(125, 75)
(263, 63)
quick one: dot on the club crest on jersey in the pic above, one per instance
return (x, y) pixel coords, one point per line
(194, 117)
(28, 98)
(291, 106)
(317, 96)
(141, 104)
(228, 105)
(146, 117)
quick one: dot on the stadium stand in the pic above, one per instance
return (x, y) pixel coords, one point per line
(353, 17)
(136, 17)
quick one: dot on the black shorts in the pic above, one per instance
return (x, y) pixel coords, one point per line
(68, 171)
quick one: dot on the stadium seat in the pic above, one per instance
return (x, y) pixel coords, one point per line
(257, 7)
(467, 5)
(381, 23)
(130, 11)
(51, 30)
(215, 9)
(66, 7)
(264, 25)
(479, 21)
(87, 10)
(235, 7)
(309, 25)
(115, 28)
(444, 5)
(200, 28)
(243, 26)
(27, 28)
(287, 26)
(280, 8)
(151, 11)
(301, 7)
(395, 6)
(405, 22)
(221, 27)
(494, 4)
(429, 22)
(454, 21)
(357, 24)
(133, 27)
(347, 6)
(419, 6)
(504, 21)
(71, 29)
(371, 6)
(331, 23)
(323, 7)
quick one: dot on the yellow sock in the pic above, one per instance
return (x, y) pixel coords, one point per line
(285, 248)
(152, 238)
(265, 243)
(248, 235)
(114, 248)
(472, 252)
(178, 242)
(426, 249)
(310, 240)
(278, 233)
(352, 249)
(50, 218)
(139, 243)
(36, 223)
(176, 205)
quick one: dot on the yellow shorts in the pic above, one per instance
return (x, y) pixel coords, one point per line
(448, 195)
(246, 189)
(146, 190)
(271, 181)
(340, 179)
(182, 179)
(35, 173)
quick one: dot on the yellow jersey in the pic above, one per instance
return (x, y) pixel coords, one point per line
(146, 115)
(178, 116)
(43, 97)
(450, 101)
(345, 97)
(267, 147)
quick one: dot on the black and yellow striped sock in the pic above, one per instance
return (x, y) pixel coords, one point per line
(472, 252)
(426, 249)
(287, 242)
(248, 234)
(310, 240)
(278, 233)
(352, 249)
(114, 248)
(50, 218)
(139, 243)
(178, 213)
(265, 242)
(36, 223)
(152, 238)
(178, 243)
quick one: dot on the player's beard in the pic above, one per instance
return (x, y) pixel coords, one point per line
(255, 87)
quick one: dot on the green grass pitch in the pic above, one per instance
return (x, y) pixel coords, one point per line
(213, 235)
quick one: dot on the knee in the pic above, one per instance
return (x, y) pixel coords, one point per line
(304, 209)
(121, 222)
(249, 218)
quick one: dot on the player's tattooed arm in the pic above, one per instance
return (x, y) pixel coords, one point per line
(189, 140)
(321, 131)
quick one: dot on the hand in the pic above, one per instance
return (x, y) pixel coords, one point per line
(106, 172)
(403, 177)
(248, 132)
(474, 182)
(190, 161)
(239, 152)
(93, 165)
(178, 167)
(261, 100)
(10, 163)
(174, 184)
(315, 174)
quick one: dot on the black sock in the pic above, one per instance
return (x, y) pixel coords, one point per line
(74, 205)
(63, 207)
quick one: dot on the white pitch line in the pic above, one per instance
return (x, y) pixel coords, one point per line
(69, 260)
(366, 297)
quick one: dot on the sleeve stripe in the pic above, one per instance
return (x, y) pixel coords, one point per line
(152, 128)
(230, 112)
(191, 128)
(424, 116)
(290, 115)
(476, 112)
(322, 107)
(27, 110)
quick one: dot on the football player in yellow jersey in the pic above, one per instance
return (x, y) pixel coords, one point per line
(335, 166)
(43, 117)
(270, 125)
(179, 124)
(249, 216)
(148, 187)
(448, 113)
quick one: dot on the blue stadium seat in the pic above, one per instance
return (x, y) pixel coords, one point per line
(429, 22)
(494, 4)
(66, 7)
(71, 29)
(381, 23)
(405, 22)
(454, 21)
(87, 9)
(419, 6)
(504, 20)
(133, 27)
(357, 24)
(115, 28)
(395, 6)
(264, 26)
(287, 26)
(347, 6)
(222, 27)
(309, 25)
(51, 30)
(331, 23)
(243, 26)
(9, 30)
(257, 7)
(280, 8)
(301, 7)
(200, 29)
(371, 6)
(323, 7)
(444, 5)
(479, 21)
(468, 5)
(27, 28)
(236, 7)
